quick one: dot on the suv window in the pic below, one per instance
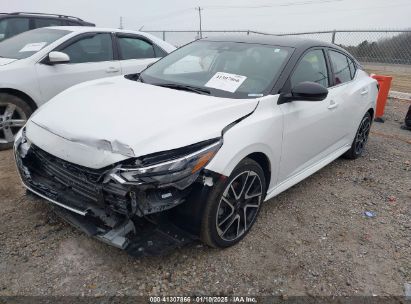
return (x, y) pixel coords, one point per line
(91, 49)
(12, 26)
(341, 67)
(312, 67)
(43, 22)
(135, 48)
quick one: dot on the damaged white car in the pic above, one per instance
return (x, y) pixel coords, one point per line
(191, 147)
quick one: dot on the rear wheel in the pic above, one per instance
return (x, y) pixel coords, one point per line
(14, 113)
(233, 205)
(361, 138)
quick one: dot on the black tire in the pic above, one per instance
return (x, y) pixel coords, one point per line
(14, 112)
(216, 205)
(360, 139)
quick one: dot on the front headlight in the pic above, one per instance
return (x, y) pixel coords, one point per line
(180, 170)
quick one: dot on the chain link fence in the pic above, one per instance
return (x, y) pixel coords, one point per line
(381, 47)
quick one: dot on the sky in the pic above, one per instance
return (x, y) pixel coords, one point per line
(275, 16)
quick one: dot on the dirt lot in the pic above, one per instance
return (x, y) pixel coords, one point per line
(401, 75)
(313, 239)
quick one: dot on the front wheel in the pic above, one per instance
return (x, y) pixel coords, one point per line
(233, 205)
(361, 138)
(14, 113)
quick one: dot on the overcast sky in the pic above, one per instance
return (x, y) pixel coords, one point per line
(262, 15)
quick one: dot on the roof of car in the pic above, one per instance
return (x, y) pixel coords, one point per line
(273, 40)
(91, 29)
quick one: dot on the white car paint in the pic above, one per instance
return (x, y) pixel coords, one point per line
(299, 137)
(42, 82)
(153, 126)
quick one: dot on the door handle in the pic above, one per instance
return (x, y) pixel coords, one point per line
(112, 70)
(364, 92)
(332, 105)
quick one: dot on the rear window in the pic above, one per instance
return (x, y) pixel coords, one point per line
(44, 22)
(28, 43)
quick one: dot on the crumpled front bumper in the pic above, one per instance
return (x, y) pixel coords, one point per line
(126, 217)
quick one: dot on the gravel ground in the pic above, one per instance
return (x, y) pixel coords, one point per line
(311, 240)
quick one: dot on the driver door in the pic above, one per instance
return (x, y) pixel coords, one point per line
(309, 126)
(91, 57)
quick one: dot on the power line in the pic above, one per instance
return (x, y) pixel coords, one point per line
(299, 3)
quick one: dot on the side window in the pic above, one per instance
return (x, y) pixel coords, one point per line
(91, 49)
(353, 67)
(341, 67)
(10, 27)
(159, 51)
(43, 22)
(312, 67)
(134, 48)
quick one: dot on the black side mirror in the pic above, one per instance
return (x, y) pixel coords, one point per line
(305, 91)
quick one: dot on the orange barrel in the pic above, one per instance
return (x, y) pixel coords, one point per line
(385, 84)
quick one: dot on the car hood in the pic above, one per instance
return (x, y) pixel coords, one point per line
(4, 61)
(124, 118)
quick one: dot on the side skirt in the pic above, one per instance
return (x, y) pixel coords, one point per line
(288, 183)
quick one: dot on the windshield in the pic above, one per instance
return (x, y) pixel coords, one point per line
(224, 69)
(28, 43)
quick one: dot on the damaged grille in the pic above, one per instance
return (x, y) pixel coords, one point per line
(73, 185)
(81, 180)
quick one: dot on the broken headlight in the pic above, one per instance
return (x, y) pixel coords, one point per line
(179, 167)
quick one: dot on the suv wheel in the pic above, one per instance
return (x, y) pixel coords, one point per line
(14, 113)
(233, 205)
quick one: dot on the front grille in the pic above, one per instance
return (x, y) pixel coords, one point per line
(79, 179)
(70, 184)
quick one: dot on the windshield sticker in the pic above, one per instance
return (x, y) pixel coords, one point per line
(33, 47)
(277, 50)
(226, 81)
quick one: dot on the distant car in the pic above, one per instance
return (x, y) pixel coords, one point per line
(38, 64)
(15, 23)
(199, 141)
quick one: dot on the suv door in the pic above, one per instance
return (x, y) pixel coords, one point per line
(309, 132)
(91, 57)
(135, 53)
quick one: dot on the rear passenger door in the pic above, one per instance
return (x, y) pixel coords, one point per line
(347, 94)
(136, 52)
(91, 57)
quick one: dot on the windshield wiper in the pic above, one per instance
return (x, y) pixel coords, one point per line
(185, 88)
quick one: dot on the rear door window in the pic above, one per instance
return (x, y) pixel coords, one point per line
(10, 27)
(341, 67)
(135, 48)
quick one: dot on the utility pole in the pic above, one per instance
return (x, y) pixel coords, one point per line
(199, 14)
(121, 23)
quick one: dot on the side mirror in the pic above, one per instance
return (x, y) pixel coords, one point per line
(305, 91)
(58, 57)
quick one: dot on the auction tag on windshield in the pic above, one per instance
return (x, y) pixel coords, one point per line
(226, 81)
(33, 47)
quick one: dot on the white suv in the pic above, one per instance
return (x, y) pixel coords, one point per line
(37, 65)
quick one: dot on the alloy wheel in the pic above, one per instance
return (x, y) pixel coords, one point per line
(362, 135)
(239, 205)
(12, 118)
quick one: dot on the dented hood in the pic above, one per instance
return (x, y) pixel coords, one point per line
(124, 118)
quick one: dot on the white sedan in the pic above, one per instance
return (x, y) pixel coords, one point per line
(192, 146)
(37, 65)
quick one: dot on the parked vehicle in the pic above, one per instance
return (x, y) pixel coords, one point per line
(15, 23)
(39, 64)
(194, 146)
